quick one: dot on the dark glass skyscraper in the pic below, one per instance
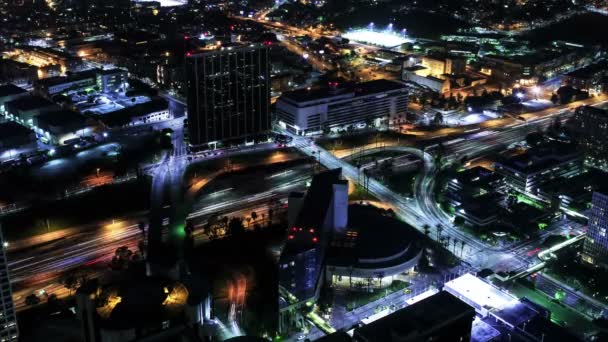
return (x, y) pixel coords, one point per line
(595, 249)
(228, 95)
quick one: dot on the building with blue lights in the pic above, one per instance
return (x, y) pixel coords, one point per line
(595, 249)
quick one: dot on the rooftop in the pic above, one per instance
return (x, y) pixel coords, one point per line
(347, 90)
(61, 118)
(479, 292)
(422, 316)
(12, 129)
(142, 303)
(123, 116)
(373, 240)
(476, 176)
(53, 81)
(110, 71)
(590, 70)
(314, 210)
(29, 102)
(11, 89)
(542, 157)
(482, 207)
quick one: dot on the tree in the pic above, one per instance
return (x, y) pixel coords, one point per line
(270, 212)
(254, 216)
(554, 98)
(438, 119)
(142, 227)
(462, 244)
(427, 229)
(459, 221)
(534, 138)
(71, 281)
(236, 226)
(439, 228)
(32, 300)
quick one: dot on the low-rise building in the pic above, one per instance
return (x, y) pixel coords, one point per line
(589, 78)
(310, 111)
(436, 84)
(9, 92)
(153, 111)
(527, 171)
(62, 126)
(441, 317)
(59, 84)
(17, 72)
(573, 194)
(14, 139)
(23, 109)
(109, 80)
(480, 212)
(472, 183)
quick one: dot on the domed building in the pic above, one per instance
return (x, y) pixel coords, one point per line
(373, 249)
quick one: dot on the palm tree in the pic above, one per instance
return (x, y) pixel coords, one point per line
(447, 244)
(455, 242)
(254, 216)
(462, 243)
(439, 228)
(427, 229)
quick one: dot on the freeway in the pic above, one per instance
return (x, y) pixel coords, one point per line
(423, 211)
(412, 212)
(41, 268)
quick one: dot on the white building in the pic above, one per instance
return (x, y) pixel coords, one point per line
(310, 111)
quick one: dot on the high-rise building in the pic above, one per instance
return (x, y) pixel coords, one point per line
(312, 218)
(591, 134)
(8, 319)
(228, 95)
(595, 249)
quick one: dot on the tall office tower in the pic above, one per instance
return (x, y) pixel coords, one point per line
(595, 249)
(590, 127)
(228, 95)
(8, 319)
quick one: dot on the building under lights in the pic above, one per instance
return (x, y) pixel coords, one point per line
(385, 38)
(330, 242)
(441, 317)
(595, 249)
(526, 172)
(228, 95)
(590, 126)
(311, 111)
(166, 3)
(312, 218)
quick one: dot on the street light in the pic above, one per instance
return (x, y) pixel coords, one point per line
(536, 92)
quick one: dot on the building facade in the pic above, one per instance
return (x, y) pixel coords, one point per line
(526, 172)
(228, 95)
(595, 248)
(591, 134)
(307, 111)
(8, 318)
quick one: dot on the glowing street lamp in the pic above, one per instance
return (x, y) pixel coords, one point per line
(536, 91)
